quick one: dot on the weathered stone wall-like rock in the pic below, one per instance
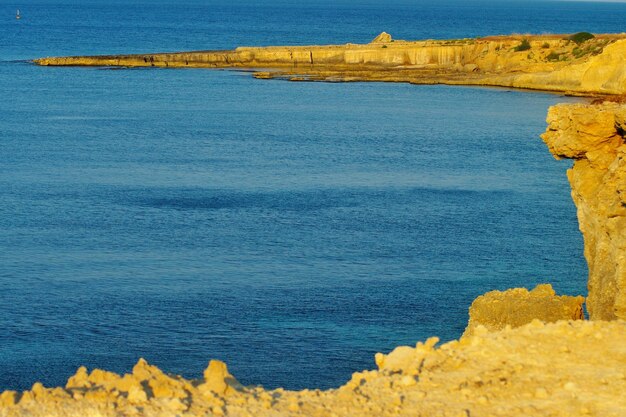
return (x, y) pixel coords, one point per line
(593, 136)
(518, 306)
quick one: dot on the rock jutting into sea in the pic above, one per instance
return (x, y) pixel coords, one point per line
(566, 63)
(593, 136)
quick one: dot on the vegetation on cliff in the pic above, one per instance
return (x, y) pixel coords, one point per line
(581, 37)
(523, 46)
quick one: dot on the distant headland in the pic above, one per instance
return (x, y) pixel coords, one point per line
(579, 64)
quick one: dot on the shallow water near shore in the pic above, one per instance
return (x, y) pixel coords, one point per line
(289, 229)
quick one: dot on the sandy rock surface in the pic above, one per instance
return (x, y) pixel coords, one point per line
(518, 306)
(568, 368)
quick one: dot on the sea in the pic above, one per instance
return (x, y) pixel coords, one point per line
(289, 229)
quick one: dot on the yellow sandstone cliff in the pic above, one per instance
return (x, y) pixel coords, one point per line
(542, 62)
(593, 136)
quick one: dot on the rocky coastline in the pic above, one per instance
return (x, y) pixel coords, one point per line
(574, 64)
(524, 353)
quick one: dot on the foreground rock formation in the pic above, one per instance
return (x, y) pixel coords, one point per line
(593, 136)
(547, 62)
(569, 368)
(518, 306)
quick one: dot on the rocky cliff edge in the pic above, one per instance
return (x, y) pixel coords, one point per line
(592, 65)
(593, 136)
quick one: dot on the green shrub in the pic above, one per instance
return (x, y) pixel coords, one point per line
(545, 45)
(580, 52)
(553, 56)
(523, 46)
(581, 37)
(384, 46)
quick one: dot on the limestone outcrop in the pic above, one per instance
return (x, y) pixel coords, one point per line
(384, 37)
(542, 62)
(515, 307)
(593, 136)
(568, 368)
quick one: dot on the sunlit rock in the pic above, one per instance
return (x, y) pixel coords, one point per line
(217, 379)
(384, 37)
(593, 135)
(515, 307)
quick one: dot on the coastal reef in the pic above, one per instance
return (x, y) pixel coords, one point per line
(579, 64)
(593, 136)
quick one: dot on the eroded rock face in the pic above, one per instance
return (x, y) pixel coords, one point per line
(515, 307)
(593, 136)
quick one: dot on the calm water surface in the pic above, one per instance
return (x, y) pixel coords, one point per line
(290, 229)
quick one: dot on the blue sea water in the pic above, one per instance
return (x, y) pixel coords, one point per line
(290, 229)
